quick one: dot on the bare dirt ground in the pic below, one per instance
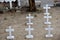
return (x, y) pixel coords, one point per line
(18, 22)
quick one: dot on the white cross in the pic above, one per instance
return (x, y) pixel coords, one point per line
(29, 32)
(29, 17)
(10, 30)
(49, 31)
(46, 9)
(10, 1)
(47, 17)
(19, 2)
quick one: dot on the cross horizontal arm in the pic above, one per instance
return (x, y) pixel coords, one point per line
(47, 16)
(27, 29)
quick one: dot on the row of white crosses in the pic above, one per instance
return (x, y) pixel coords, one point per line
(29, 29)
(48, 22)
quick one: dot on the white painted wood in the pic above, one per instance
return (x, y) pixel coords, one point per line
(10, 1)
(46, 8)
(47, 19)
(19, 3)
(29, 17)
(49, 31)
(10, 30)
(29, 29)
(47, 14)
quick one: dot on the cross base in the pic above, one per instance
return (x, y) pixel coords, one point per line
(29, 36)
(10, 37)
(49, 35)
(47, 22)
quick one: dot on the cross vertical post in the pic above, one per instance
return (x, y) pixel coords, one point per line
(10, 30)
(47, 19)
(10, 2)
(29, 29)
(19, 3)
(47, 16)
(29, 17)
(49, 31)
(47, 7)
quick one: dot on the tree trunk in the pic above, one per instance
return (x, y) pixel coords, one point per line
(32, 6)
